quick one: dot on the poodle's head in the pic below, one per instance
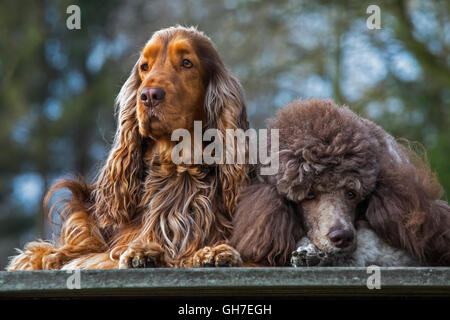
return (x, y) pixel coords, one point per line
(328, 165)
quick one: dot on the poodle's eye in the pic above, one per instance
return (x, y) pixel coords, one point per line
(350, 194)
(310, 196)
(187, 64)
(144, 67)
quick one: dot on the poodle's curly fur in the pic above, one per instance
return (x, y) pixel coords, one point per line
(325, 147)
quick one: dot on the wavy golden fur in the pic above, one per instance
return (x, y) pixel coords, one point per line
(143, 210)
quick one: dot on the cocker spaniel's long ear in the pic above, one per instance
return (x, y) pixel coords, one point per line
(266, 226)
(118, 184)
(405, 211)
(225, 109)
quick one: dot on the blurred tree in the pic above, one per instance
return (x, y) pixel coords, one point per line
(51, 100)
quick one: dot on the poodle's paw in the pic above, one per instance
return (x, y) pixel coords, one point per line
(219, 256)
(308, 255)
(142, 256)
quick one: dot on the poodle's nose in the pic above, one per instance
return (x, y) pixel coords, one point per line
(341, 238)
(151, 96)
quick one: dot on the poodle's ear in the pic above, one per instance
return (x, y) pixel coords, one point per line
(118, 185)
(225, 109)
(266, 227)
(404, 210)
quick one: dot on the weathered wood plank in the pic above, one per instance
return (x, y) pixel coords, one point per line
(226, 282)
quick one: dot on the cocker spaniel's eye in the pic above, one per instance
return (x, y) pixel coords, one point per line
(310, 196)
(144, 67)
(187, 64)
(350, 194)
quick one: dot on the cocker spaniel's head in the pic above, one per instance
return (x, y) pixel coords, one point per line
(173, 71)
(179, 78)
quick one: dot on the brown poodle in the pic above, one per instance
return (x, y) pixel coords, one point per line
(337, 171)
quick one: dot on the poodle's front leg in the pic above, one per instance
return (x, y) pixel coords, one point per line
(370, 250)
(308, 255)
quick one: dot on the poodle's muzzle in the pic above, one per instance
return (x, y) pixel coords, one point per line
(329, 223)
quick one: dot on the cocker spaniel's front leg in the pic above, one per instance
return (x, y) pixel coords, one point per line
(221, 255)
(142, 255)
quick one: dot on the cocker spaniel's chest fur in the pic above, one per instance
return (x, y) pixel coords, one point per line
(178, 208)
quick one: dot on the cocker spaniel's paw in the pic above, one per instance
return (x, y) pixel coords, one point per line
(308, 255)
(142, 256)
(221, 255)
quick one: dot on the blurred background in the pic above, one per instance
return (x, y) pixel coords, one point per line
(57, 86)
